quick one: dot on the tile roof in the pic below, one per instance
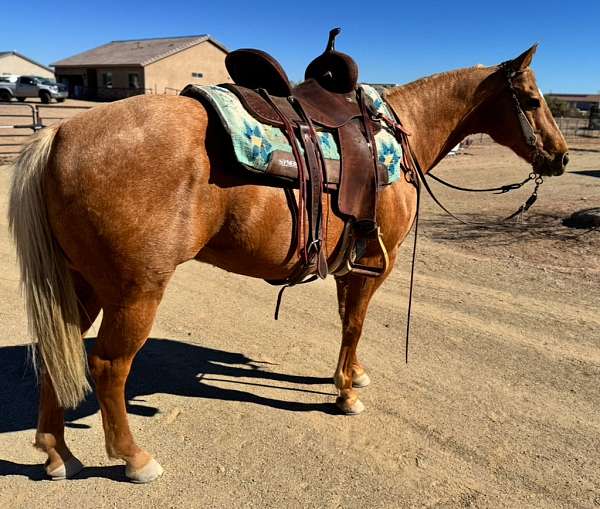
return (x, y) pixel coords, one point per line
(135, 51)
(576, 97)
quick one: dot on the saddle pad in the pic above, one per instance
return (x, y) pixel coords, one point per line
(254, 142)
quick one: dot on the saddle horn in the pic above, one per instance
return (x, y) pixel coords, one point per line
(333, 70)
(333, 33)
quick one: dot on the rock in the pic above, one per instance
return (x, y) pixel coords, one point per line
(172, 415)
(586, 218)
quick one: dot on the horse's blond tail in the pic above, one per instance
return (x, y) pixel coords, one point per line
(48, 287)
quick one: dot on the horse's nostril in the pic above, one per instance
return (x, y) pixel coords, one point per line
(565, 159)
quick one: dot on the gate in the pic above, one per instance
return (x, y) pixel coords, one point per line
(595, 118)
(18, 121)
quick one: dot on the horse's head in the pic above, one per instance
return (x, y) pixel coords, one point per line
(519, 118)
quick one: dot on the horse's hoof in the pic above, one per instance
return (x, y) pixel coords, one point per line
(68, 469)
(360, 381)
(148, 473)
(354, 408)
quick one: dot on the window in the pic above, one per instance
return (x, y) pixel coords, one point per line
(26, 80)
(134, 80)
(107, 79)
(197, 75)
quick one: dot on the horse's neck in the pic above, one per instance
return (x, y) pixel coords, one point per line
(439, 111)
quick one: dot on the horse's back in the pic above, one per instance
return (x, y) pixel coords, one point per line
(150, 129)
(124, 184)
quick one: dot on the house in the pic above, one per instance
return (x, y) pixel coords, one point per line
(154, 66)
(582, 102)
(12, 62)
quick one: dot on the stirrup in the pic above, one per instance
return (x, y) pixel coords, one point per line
(350, 265)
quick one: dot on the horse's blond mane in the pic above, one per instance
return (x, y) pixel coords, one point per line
(452, 74)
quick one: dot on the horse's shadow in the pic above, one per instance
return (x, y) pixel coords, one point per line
(162, 366)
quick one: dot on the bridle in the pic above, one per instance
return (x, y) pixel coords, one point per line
(527, 129)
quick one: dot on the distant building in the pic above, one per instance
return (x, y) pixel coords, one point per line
(123, 68)
(12, 62)
(582, 102)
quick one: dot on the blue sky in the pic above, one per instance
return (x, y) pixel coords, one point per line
(393, 42)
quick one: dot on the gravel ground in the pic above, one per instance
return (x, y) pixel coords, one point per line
(498, 406)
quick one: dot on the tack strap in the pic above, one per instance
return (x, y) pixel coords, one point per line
(417, 185)
(414, 175)
(302, 176)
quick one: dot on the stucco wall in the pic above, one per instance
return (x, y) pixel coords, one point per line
(175, 72)
(14, 64)
(120, 80)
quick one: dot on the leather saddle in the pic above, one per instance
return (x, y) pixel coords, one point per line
(328, 99)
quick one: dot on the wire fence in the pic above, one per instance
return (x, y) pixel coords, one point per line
(571, 128)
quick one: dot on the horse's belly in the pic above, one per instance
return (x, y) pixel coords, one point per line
(259, 238)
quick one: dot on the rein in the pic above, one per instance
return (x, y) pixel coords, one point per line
(496, 190)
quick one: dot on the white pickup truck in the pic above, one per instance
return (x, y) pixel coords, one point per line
(22, 87)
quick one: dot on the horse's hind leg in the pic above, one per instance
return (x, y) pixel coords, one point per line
(354, 295)
(50, 435)
(125, 328)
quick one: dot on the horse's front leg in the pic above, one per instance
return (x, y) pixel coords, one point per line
(360, 378)
(354, 295)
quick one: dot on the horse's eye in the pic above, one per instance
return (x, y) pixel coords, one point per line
(533, 103)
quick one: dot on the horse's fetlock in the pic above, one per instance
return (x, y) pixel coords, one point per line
(339, 380)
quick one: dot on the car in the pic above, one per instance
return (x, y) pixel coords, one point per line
(22, 87)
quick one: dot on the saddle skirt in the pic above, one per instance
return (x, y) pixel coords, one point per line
(264, 149)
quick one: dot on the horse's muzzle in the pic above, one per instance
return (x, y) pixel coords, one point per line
(552, 166)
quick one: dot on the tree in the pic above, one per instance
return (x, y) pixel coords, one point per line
(557, 107)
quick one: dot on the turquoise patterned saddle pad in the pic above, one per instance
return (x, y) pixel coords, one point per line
(254, 142)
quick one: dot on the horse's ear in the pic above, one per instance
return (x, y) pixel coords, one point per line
(523, 61)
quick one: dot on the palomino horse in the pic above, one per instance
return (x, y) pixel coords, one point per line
(106, 205)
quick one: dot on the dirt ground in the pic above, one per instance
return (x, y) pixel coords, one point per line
(498, 406)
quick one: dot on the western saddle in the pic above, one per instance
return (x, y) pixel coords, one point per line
(328, 99)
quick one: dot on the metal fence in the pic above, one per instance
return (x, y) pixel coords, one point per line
(19, 120)
(106, 94)
(571, 127)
